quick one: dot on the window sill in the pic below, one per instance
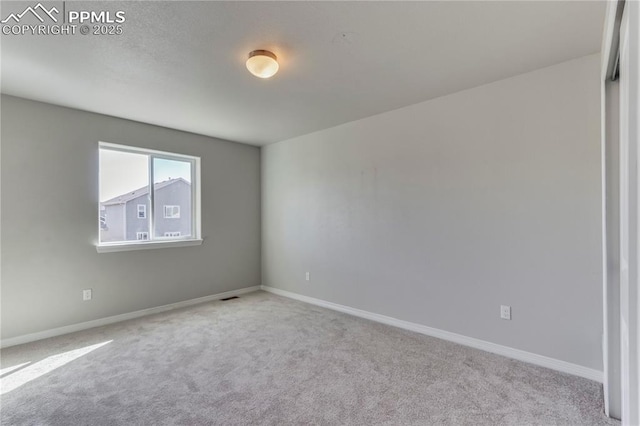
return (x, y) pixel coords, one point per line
(128, 246)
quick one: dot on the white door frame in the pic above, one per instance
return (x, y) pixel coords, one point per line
(630, 213)
(610, 126)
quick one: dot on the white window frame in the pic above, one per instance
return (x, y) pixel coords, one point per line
(160, 242)
(174, 215)
(142, 210)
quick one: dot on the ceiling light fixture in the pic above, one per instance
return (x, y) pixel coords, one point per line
(262, 63)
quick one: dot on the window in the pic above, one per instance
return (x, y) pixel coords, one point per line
(172, 212)
(148, 199)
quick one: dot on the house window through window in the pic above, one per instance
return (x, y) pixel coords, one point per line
(172, 212)
(147, 195)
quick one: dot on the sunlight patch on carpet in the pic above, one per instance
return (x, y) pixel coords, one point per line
(40, 368)
(12, 368)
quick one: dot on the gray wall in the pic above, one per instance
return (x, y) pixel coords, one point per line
(49, 221)
(439, 212)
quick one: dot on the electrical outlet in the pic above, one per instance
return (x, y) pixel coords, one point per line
(307, 276)
(505, 312)
(86, 294)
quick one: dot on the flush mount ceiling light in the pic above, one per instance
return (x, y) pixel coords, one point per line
(262, 63)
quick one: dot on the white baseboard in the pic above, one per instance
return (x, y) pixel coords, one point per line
(541, 360)
(32, 337)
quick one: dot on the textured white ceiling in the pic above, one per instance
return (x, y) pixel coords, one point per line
(181, 64)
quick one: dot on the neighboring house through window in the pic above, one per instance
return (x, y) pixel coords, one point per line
(142, 211)
(172, 234)
(142, 236)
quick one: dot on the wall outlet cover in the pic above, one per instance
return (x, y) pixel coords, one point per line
(505, 312)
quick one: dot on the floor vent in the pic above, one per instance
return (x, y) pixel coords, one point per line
(229, 298)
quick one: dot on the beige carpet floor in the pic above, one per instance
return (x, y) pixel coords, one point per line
(266, 360)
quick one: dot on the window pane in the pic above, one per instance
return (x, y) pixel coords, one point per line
(124, 196)
(145, 195)
(172, 198)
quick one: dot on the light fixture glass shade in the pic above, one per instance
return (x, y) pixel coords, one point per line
(262, 63)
